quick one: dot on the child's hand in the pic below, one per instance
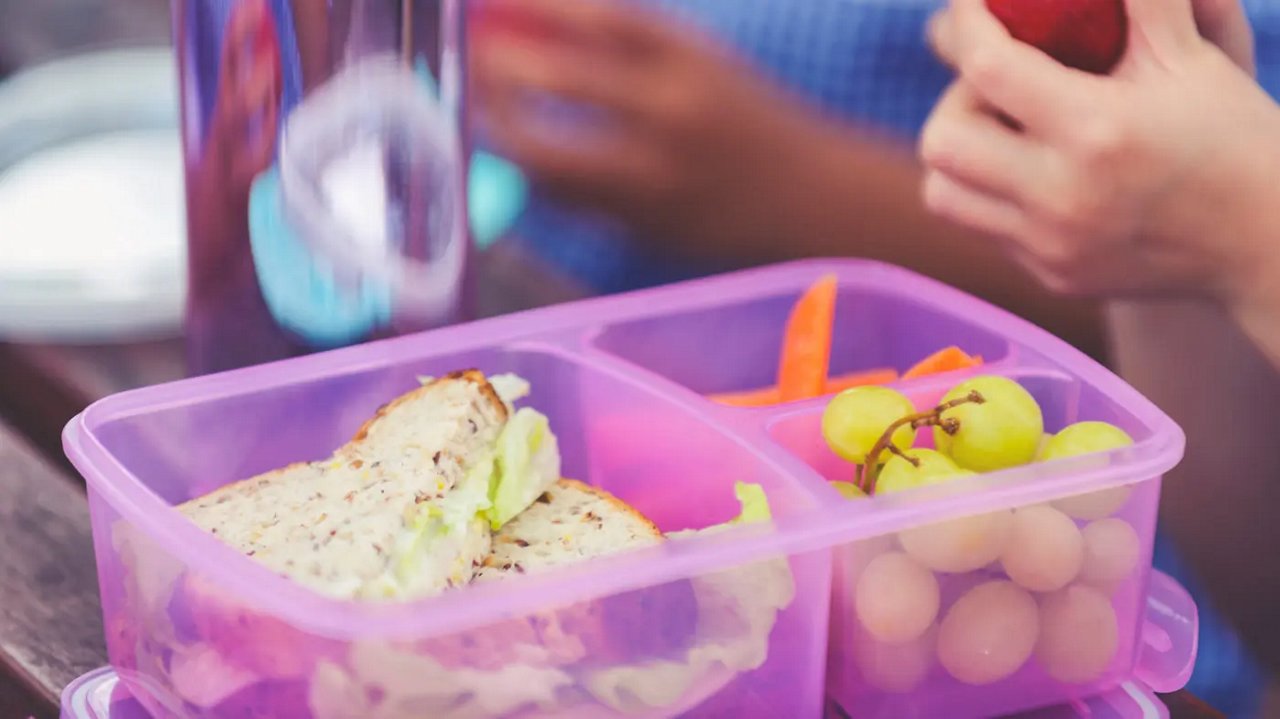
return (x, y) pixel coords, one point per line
(1223, 23)
(1159, 177)
(684, 140)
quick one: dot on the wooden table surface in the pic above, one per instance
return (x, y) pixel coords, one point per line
(50, 622)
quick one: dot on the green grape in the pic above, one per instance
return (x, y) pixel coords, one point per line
(1004, 430)
(1089, 438)
(1085, 438)
(856, 419)
(1044, 444)
(899, 475)
(849, 490)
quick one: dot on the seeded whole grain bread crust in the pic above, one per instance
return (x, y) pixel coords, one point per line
(475, 377)
(570, 523)
(340, 525)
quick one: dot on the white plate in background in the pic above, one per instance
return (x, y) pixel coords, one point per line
(92, 212)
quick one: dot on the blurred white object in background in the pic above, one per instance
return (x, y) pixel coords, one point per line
(92, 219)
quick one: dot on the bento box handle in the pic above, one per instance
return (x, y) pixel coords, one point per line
(1170, 636)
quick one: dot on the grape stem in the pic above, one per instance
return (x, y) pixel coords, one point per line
(860, 470)
(893, 449)
(932, 418)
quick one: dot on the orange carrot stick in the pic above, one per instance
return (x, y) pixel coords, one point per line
(806, 347)
(751, 398)
(945, 360)
(840, 383)
(768, 396)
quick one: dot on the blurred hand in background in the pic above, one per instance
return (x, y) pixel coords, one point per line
(681, 137)
(705, 158)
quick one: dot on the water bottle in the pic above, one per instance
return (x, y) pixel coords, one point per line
(326, 173)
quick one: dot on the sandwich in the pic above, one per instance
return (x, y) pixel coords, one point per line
(447, 486)
(657, 651)
(570, 522)
(664, 649)
(406, 509)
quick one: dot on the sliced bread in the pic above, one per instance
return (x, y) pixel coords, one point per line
(354, 525)
(571, 522)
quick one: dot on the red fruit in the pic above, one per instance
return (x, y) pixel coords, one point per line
(1088, 35)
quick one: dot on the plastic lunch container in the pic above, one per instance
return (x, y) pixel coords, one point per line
(755, 622)
(101, 695)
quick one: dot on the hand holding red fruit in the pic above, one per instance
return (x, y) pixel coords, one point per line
(1159, 176)
(1089, 35)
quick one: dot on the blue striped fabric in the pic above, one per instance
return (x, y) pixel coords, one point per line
(866, 60)
(1265, 17)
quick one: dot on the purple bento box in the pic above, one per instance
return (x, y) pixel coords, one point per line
(1167, 654)
(194, 629)
(101, 695)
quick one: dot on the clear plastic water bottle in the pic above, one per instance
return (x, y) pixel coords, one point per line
(326, 174)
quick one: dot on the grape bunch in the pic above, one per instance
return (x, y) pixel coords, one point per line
(983, 424)
(1039, 578)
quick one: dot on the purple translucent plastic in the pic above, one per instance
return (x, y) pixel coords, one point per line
(621, 380)
(101, 695)
(1170, 619)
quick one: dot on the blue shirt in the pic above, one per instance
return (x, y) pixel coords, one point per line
(863, 60)
(867, 61)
